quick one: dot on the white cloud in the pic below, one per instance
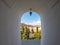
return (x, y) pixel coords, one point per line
(34, 23)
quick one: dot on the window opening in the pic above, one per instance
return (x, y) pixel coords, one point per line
(30, 26)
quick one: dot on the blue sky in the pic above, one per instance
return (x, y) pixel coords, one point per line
(35, 19)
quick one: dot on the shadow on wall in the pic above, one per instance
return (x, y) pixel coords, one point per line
(31, 42)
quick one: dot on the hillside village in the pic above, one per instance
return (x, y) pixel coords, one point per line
(30, 31)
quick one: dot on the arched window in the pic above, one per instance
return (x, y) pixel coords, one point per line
(30, 26)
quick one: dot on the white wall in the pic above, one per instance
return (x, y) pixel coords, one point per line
(51, 26)
(9, 30)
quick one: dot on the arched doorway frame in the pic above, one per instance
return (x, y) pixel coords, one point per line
(28, 11)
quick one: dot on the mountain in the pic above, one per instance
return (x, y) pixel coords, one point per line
(23, 24)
